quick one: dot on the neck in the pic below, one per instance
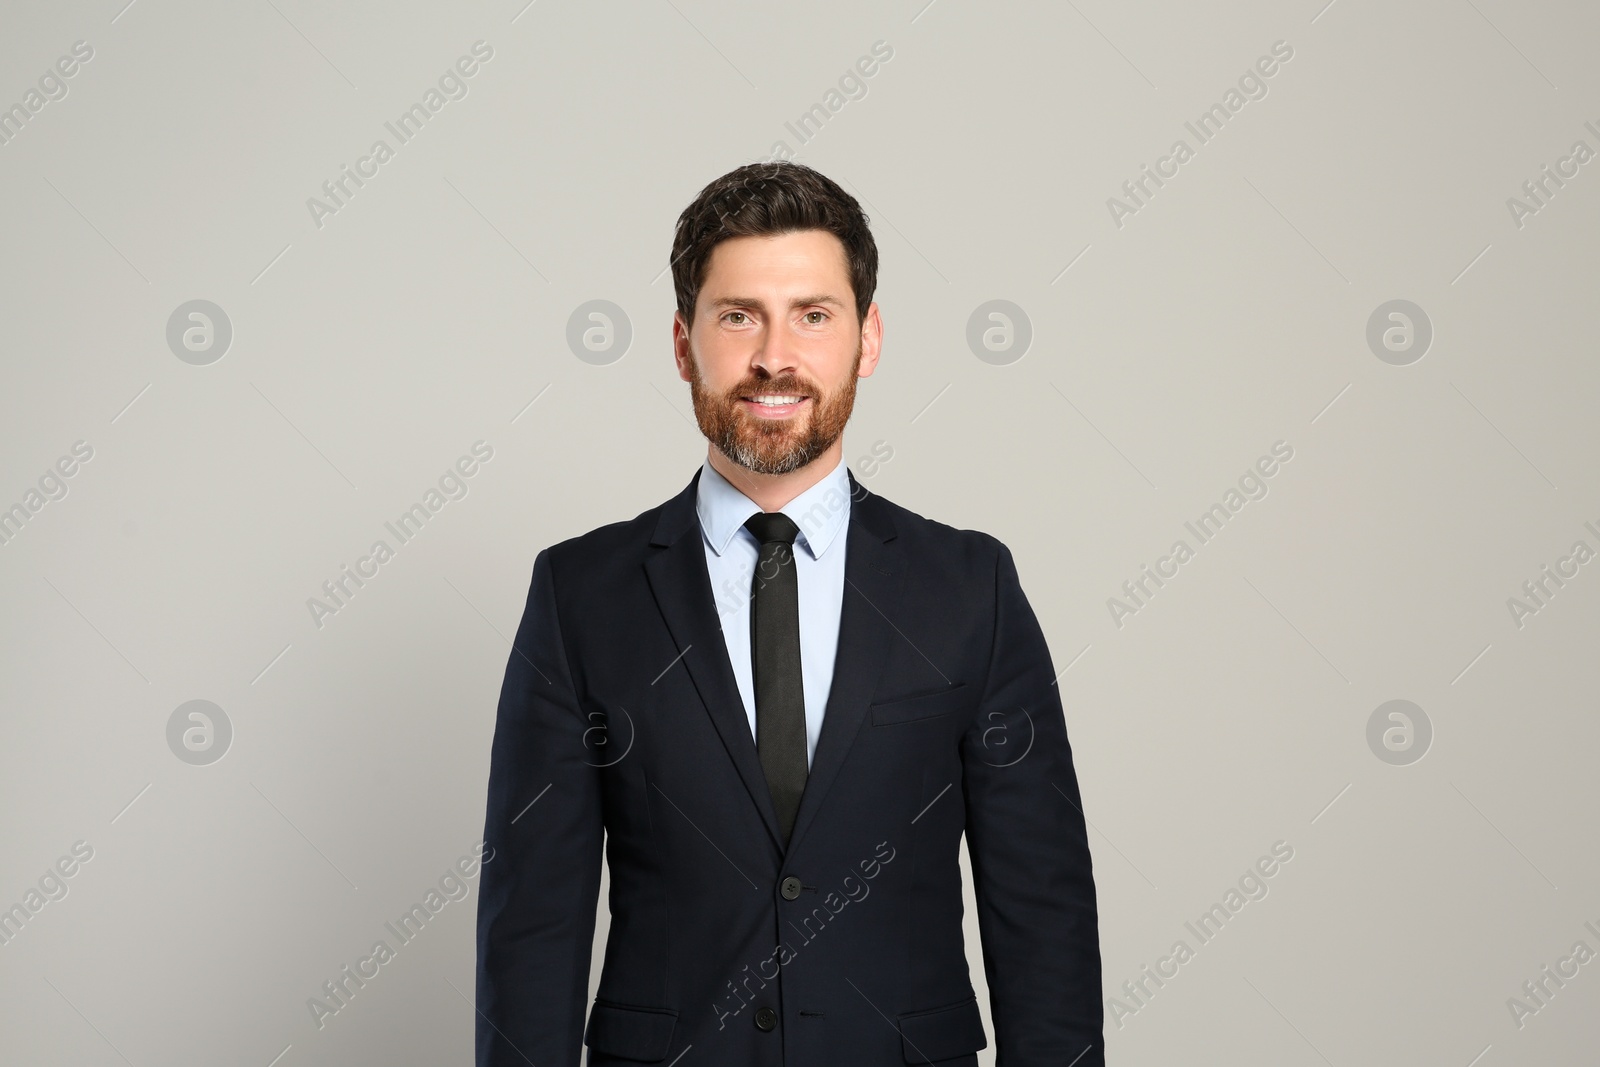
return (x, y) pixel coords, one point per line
(770, 492)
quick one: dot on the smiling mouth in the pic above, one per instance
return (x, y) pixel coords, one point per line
(774, 405)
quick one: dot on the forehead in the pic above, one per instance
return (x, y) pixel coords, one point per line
(809, 259)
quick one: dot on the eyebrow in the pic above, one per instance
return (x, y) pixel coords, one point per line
(749, 301)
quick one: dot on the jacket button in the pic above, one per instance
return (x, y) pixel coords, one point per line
(766, 1018)
(790, 888)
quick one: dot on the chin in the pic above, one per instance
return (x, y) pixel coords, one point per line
(758, 461)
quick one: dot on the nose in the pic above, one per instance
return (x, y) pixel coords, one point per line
(776, 357)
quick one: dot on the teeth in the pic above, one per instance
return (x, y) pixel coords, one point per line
(776, 401)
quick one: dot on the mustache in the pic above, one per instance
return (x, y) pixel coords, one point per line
(787, 386)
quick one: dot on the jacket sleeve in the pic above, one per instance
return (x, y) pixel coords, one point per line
(536, 904)
(1030, 856)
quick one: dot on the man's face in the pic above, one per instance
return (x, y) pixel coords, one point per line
(776, 320)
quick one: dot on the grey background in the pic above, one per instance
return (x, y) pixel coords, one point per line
(1167, 355)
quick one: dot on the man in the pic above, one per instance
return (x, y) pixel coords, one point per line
(781, 785)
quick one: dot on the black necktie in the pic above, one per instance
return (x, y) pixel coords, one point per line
(775, 660)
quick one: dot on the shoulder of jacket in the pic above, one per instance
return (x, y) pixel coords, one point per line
(973, 546)
(615, 542)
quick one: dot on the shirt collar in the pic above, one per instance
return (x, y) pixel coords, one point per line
(820, 511)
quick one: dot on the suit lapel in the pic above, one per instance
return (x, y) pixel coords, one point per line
(873, 573)
(682, 587)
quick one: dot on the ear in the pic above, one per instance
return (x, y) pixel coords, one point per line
(871, 341)
(680, 347)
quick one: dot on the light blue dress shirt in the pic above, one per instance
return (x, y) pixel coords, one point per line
(822, 514)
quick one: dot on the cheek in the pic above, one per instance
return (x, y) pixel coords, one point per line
(715, 359)
(837, 371)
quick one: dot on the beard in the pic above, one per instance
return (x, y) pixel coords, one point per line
(773, 446)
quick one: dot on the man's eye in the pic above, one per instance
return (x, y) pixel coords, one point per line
(820, 316)
(740, 319)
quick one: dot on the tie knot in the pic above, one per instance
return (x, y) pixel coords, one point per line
(772, 526)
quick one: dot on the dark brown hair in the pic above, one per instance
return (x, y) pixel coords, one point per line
(761, 199)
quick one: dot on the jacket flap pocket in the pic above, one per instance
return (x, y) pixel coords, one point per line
(942, 1033)
(642, 1034)
(920, 706)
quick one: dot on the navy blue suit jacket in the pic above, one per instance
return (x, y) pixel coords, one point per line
(620, 723)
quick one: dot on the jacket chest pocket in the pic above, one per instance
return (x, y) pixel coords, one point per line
(920, 705)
